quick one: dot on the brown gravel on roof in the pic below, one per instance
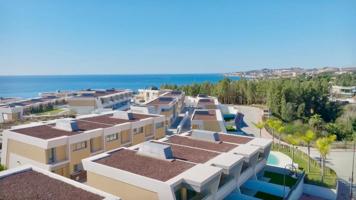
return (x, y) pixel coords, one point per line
(128, 160)
(49, 131)
(84, 125)
(34, 185)
(109, 119)
(191, 154)
(220, 147)
(43, 132)
(161, 101)
(234, 139)
(204, 115)
(206, 101)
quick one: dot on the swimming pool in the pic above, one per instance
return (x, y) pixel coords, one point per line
(272, 159)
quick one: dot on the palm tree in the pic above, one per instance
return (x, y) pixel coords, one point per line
(260, 125)
(308, 138)
(293, 140)
(280, 131)
(274, 124)
(315, 121)
(323, 146)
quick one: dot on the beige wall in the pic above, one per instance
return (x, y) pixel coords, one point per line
(160, 133)
(112, 144)
(77, 156)
(26, 150)
(125, 136)
(211, 126)
(62, 170)
(119, 188)
(61, 153)
(96, 144)
(148, 129)
(138, 138)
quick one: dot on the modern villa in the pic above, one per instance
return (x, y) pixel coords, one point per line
(208, 119)
(60, 145)
(90, 101)
(194, 165)
(30, 182)
(168, 103)
(343, 93)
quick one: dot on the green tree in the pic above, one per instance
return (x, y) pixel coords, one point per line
(293, 140)
(308, 138)
(260, 125)
(274, 125)
(323, 146)
(316, 121)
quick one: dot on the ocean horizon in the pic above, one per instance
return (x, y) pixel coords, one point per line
(27, 86)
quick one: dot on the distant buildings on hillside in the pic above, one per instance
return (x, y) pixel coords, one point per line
(289, 72)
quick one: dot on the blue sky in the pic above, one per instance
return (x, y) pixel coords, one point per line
(202, 36)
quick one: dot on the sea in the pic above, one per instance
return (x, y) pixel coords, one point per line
(31, 86)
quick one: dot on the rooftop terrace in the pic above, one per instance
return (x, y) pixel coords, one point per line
(34, 185)
(84, 124)
(204, 115)
(161, 101)
(154, 168)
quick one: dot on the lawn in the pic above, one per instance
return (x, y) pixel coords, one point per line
(279, 179)
(266, 196)
(314, 176)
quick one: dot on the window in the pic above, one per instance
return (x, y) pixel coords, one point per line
(80, 145)
(112, 137)
(160, 125)
(52, 155)
(138, 130)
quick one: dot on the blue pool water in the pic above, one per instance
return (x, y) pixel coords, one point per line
(272, 159)
(30, 86)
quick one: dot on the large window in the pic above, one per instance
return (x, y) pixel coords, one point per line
(112, 137)
(80, 145)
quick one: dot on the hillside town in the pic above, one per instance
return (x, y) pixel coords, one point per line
(289, 72)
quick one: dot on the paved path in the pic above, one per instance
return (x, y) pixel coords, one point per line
(338, 159)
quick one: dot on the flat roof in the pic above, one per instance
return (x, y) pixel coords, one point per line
(129, 160)
(204, 115)
(161, 101)
(34, 185)
(234, 138)
(173, 93)
(212, 146)
(49, 131)
(33, 101)
(190, 154)
(206, 101)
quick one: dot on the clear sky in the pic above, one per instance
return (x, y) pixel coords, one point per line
(181, 36)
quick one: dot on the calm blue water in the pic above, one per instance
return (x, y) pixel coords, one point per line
(30, 86)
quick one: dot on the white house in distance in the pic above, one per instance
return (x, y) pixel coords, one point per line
(343, 93)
